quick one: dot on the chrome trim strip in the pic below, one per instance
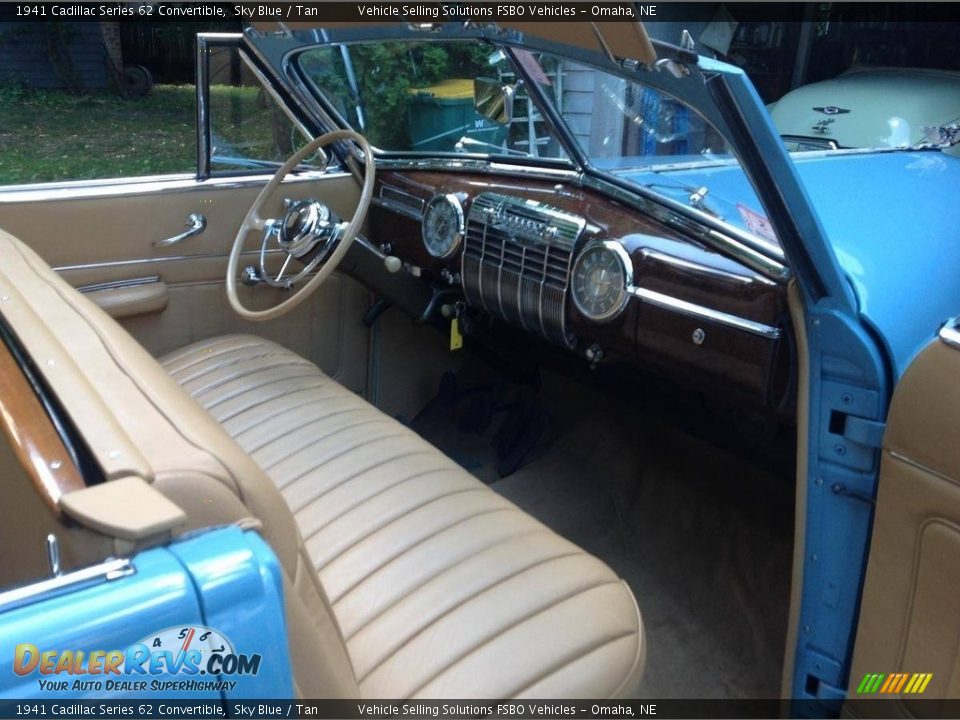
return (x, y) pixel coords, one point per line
(950, 333)
(158, 184)
(140, 261)
(762, 257)
(479, 165)
(699, 311)
(691, 265)
(118, 284)
(202, 69)
(60, 584)
(397, 204)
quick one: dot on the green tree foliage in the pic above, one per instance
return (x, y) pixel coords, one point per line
(385, 75)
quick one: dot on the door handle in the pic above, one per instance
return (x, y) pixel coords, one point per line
(196, 224)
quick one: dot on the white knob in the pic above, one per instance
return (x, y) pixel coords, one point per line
(392, 263)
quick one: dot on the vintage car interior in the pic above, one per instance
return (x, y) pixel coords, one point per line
(511, 430)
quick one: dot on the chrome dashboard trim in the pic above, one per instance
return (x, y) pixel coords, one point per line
(157, 184)
(479, 165)
(497, 267)
(762, 257)
(698, 267)
(704, 313)
(60, 584)
(400, 204)
(118, 284)
(453, 200)
(950, 333)
(627, 265)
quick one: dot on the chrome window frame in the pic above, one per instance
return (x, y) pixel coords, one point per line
(205, 43)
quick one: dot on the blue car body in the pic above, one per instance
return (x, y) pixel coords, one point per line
(224, 580)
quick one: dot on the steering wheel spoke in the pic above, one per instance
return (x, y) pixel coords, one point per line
(255, 222)
(308, 232)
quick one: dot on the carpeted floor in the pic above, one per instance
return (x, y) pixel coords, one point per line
(702, 536)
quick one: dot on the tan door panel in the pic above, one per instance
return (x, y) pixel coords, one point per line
(133, 298)
(104, 235)
(910, 616)
(112, 224)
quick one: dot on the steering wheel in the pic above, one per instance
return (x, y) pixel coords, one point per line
(308, 233)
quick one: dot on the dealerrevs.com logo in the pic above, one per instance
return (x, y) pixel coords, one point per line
(191, 658)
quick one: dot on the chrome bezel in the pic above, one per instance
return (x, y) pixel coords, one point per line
(627, 266)
(312, 226)
(453, 201)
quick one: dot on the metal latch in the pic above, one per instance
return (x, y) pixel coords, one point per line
(863, 431)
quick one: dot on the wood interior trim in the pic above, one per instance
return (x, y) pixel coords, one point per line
(33, 437)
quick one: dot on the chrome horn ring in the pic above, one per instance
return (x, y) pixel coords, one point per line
(340, 243)
(307, 226)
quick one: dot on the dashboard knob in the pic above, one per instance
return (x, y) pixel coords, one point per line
(392, 263)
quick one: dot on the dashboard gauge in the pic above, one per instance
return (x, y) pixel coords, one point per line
(602, 276)
(443, 225)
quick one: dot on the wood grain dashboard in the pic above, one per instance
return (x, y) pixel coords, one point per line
(692, 313)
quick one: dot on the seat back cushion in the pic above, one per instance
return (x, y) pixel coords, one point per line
(137, 421)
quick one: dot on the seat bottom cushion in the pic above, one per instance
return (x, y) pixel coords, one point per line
(441, 587)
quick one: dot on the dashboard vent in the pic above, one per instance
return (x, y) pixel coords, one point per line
(516, 262)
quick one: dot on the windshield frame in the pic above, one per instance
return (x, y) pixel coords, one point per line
(720, 92)
(306, 83)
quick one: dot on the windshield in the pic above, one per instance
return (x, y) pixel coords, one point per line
(415, 96)
(647, 138)
(418, 96)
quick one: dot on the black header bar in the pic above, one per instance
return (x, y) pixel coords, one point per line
(153, 709)
(476, 10)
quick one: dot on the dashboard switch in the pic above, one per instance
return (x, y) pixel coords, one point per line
(392, 263)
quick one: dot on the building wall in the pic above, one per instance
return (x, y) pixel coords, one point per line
(27, 48)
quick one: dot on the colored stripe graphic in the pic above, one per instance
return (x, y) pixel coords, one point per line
(894, 683)
(891, 681)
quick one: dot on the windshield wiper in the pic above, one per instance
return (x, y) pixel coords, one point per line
(467, 142)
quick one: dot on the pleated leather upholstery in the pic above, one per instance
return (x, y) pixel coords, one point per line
(441, 587)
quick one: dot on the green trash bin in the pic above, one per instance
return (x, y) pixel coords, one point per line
(441, 114)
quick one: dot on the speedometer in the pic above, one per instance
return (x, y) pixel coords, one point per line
(602, 275)
(443, 225)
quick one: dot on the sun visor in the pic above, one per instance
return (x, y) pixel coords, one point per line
(624, 39)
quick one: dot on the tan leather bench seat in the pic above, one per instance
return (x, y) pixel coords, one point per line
(403, 576)
(440, 587)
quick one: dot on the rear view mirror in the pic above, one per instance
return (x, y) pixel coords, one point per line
(494, 100)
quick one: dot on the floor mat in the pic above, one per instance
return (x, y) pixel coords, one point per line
(703, 538)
